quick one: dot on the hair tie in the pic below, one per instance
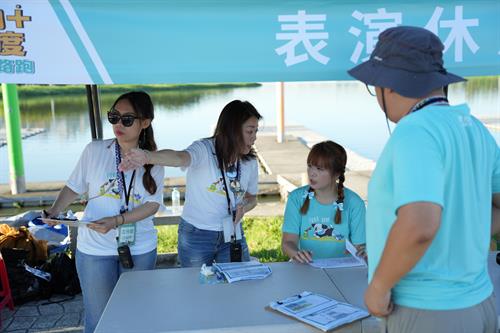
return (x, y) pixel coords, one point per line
(308, 194)
(339, 205)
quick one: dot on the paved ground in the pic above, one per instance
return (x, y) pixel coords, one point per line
(59, 314)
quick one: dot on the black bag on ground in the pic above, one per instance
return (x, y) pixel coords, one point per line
(64, 276)
(25, 287)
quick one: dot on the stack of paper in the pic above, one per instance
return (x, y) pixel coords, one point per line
(239, 271)
(351, 261)
(319, 311)
(68, 219)
(336, 262)
(70, 223)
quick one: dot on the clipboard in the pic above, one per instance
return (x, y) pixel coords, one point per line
(270, 309)
(70, 223)
(302, 308)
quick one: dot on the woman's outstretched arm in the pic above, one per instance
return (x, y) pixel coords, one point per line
(167, 157)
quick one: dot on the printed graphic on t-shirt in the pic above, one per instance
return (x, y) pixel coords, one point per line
(321, 229)
(217, 187)
(111, 189)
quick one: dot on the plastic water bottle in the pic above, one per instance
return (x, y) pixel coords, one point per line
(176, 201)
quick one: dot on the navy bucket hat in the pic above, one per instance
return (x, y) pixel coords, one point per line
(408, 60)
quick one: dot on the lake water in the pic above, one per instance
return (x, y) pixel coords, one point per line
(341, 111)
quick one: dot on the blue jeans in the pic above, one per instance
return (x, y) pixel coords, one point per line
(98, 276)
(197, 246)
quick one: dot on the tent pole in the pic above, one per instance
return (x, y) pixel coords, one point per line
(13, 133)
(94, 105)
(97, 111)
(280, 112)
(90, 104)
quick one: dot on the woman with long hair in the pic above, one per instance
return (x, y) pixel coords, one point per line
(221, 186)
(120, 234)
(321, 216)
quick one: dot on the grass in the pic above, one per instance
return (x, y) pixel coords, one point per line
(263, 237)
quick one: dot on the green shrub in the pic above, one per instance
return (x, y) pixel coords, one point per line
(263, 238)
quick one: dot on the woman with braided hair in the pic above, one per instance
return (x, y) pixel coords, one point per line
(320, 217)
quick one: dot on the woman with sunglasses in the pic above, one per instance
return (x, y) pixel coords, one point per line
(121, 205)
(221, 186)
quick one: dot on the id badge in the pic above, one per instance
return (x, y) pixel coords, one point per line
(229, 229)
(126, 234)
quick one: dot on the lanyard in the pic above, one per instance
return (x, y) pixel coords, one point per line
(121, 178)
(219, 160)
(127, 194)
(428, 101)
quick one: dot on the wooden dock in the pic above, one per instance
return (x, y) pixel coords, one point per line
(287, 162)
(25, 133)
(41, 194)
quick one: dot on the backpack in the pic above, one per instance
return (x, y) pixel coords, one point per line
(25, 286)
(64, 275)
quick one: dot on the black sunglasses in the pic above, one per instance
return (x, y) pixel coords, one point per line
(127, 120)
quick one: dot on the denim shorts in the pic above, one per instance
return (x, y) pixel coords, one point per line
(197, 246)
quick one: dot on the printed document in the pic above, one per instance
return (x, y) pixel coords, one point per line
(319, 311)
(239, 271)
(351, 261)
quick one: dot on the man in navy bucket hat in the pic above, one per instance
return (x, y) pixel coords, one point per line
(434, 197)
(408, 60)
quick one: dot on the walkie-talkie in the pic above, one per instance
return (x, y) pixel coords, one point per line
(235, 250)
(125, 257)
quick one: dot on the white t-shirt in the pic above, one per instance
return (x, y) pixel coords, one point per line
(206, 203)
(96, 175)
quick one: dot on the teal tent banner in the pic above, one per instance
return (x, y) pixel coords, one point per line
(188, 41)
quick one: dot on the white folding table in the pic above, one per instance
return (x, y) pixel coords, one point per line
(173, 300)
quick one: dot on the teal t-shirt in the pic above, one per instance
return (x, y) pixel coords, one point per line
(442, 155)
(317, 229)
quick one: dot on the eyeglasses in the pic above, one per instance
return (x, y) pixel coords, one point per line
(371, 90)
(127, 119)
